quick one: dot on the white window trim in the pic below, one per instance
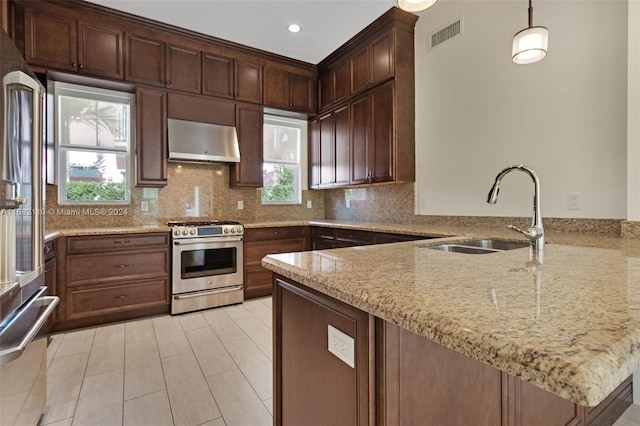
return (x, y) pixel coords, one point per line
(68, 89)
(302, 168)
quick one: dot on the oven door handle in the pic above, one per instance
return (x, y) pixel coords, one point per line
(14, 352)
(201, 293)
(205, 240)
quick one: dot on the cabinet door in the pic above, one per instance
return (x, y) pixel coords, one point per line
(248, 82)
(183, 69)
(151, 137)
(300, 92)
(326, 89)
(381, 138)
(382, 58)
(310, 379)
(314, 154)
(327, 163)
(51, 40)
(145, 60)
(248, 172)
(341, 82)
(217, 75)
(359, 113)
(341, 145)
(275, 88)
(359, 65)
(101, 49)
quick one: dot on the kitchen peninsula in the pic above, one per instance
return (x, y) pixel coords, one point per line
(551, 343)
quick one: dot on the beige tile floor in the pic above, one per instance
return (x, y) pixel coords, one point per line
(208, 368)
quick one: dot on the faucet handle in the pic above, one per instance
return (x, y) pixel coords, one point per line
(532, 233)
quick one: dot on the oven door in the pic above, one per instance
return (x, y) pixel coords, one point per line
(206, 263)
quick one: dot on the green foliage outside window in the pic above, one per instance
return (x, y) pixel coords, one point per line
(283, 187)
(95, 191)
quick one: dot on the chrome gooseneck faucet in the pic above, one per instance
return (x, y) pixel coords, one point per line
(535, 233)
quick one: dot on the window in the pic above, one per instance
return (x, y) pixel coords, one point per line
(283, 151)
(93, 132)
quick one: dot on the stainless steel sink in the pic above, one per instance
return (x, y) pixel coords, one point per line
(479, 246)
(495, 244)
(461, 249)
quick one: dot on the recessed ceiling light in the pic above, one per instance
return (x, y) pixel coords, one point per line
(294, 28)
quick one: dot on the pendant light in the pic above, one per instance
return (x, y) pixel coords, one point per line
(415, 5)
(530, 45)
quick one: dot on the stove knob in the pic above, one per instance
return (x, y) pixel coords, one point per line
(185, 232)
(192, 232)
(176, 232)
(225, 230)
(233, 230)
(239, 230)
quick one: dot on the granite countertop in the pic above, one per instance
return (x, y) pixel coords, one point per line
(570, 326)
(50, 234)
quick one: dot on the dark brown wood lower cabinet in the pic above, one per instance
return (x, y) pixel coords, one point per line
(106, 278)
(263, 241)
(313, 386)
(400, 378)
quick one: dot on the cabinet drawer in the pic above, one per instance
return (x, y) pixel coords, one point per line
(257, 282)
(115, 242)
(355, 237)
(396, 238)
(254, 251)
(102, 268)
(99, 300)
(258, 234)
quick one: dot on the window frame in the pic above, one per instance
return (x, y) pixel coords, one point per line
(61, 149)
(301, 178)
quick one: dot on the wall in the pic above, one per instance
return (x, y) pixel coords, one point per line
(216, 201)
(565, 117)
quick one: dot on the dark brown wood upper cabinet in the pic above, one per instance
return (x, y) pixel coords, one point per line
(151, 137)
(373, 64)
(183, 69)
(229, 78)
(289, 91)
(329, 149)
(145, 60)
(372, 136)
(248, 172)
(54, 38)
(334, 85)
(156, 63)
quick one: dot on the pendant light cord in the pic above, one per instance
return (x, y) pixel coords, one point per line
(530, 14)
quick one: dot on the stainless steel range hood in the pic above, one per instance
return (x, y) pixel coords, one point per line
(195, 142)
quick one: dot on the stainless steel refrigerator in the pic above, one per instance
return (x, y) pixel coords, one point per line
(23, 307)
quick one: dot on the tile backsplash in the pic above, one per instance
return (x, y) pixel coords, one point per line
(193, 190)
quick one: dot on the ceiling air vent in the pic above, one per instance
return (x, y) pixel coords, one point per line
(446, 33)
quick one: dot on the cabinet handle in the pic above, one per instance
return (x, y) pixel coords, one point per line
(276, 233)
(81, 66)
(121, 242)
(168, 83)
(121, 266)
(73, 64)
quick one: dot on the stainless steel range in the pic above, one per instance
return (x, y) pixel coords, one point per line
(207, 265)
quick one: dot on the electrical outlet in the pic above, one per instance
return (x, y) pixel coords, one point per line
(342, 345)
(309, 204)
(347, 204)
(144, 206)
(240, 205)
(573, 201)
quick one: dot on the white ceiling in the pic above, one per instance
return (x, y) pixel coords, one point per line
(262, 24)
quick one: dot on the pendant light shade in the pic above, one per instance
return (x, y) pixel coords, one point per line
(530, 45)
(415, 5)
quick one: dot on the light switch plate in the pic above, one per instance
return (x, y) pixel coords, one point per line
(240, 205)
(342, 345)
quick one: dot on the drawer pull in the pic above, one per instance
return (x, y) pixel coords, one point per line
(121, 266)
(121, 242)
